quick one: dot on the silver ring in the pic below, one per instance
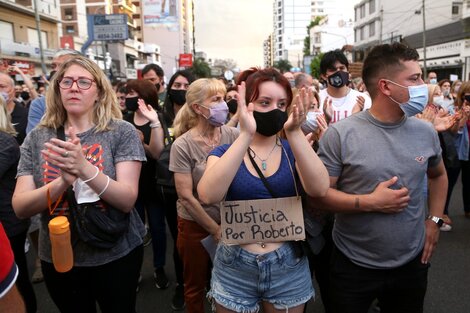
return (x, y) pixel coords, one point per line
(65, 154)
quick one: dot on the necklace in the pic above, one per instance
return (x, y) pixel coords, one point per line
(208, 143)
(263, 161)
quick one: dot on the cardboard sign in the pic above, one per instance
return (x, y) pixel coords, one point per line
(264, 220)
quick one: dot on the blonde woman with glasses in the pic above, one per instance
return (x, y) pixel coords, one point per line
(101, 158)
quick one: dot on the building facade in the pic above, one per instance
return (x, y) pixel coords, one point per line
(19, 40)
(445, 28)
(170, 25)
(335, 28)
(290, 21)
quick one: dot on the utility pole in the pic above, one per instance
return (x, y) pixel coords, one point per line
(381, 23)
(38, 27)
(425, 74)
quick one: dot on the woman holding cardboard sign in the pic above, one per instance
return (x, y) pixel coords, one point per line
(260, 165)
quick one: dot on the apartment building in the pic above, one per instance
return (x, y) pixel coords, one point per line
(170, 25)
(444, 28)
(290, 21)
(19, 40)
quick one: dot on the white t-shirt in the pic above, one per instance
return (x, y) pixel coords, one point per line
(342, 107)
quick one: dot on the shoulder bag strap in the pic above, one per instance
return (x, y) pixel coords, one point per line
(166, 134)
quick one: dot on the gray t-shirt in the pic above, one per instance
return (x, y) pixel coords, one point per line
(189, 157)
(362, 152)
(104, 150)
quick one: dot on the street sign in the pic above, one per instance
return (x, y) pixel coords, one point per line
(108, 26)
(186, 60)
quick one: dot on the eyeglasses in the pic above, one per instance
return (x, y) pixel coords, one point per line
(82, 83)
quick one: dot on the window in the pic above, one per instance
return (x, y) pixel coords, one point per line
(456, 8)
(371, 6)
(33, 37)
(68, 14)
(69, 29)
(363, 11)
(361, 37)
(279, 32)
(372, 29)
(320, 10)
(6, 31)
(356, 14)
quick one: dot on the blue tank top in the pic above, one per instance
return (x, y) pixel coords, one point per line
(245, 186)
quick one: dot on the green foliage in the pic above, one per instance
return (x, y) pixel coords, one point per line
(315, 65)
(313, 23)
(201, 69)
(283, 65)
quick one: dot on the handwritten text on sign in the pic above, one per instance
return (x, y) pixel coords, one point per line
(265, 220)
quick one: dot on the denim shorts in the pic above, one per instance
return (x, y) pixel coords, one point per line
(241, 279)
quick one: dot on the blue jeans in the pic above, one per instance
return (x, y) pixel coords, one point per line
(157, 226)
(241, 279)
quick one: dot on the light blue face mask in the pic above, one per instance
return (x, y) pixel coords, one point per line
(5, 96)
(418, 99)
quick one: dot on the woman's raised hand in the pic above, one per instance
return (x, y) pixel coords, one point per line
(302, 103)
(148, 111)
(245, 112)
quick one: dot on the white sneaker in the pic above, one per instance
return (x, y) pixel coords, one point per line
(446, 227)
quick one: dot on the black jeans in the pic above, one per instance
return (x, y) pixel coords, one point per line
(466, 185)
(23, 282)
(112, 285)
(354, 288)
(452, 177)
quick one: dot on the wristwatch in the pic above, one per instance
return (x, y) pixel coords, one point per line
(439, 221)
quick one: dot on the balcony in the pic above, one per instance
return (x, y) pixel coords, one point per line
(126, 6)
(10, 48)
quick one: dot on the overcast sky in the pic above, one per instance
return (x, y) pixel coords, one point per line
(233, 29)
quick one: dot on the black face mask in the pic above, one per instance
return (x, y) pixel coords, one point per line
(25, 95)
(269, 123)
(131, 104)
(232, 105)
(338, 79)
(177, 96)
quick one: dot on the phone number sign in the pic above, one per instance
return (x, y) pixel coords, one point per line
(108, 26)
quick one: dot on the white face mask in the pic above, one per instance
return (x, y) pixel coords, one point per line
(310, 125)
(438, 100)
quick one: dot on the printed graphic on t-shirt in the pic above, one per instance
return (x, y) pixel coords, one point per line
(93, 153)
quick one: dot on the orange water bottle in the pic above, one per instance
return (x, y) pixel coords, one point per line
(62, 254)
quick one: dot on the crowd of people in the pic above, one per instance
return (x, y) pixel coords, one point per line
(368, 163)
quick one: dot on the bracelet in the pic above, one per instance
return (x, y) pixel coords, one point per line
(94, 176)
(155, 125)
(105, 187)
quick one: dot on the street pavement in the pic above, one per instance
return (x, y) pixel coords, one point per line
(448, 286)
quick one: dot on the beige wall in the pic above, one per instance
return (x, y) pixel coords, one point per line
(21, 22)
